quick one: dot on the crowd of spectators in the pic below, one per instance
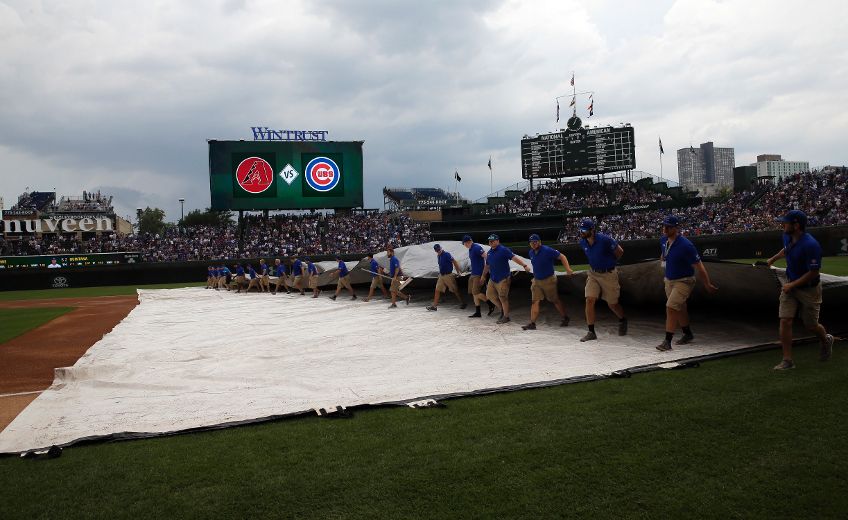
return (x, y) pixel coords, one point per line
(275, 235)
(823, 196)
(577, 195)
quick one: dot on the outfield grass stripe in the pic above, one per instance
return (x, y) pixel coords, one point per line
(14, 322)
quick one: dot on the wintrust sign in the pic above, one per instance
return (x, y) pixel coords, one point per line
(58, 225)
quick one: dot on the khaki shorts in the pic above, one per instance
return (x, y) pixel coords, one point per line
(377, 282)
(603, 285)
(678, 291)
(447, 282)
(298, 281)
(499, 290)
(240, 279)
(544, 289)
(808, 299)
(474, 287)
(313, 281)
(344, 282)
(281, 280)
(395, 287)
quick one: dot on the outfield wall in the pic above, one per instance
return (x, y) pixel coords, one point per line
(834, 241)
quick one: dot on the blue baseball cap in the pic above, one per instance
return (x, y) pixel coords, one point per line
(535, 237)
(671, 221)
(587, 224)
(493, 237)
(467, 238)
(796, 216)
(437, 247)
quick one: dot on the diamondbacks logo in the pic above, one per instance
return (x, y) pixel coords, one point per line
(322, 174)
(254, 175)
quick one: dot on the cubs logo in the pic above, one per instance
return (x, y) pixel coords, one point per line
(322, 174)
(254, 175)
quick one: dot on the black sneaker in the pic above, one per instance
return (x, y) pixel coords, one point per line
(408, 298)
(476, 315)
(463, 306)
(687, 338)
(353, 297)
(622, 327)
(333, 297)
(590, 336)
(431, 308)
(565, 321)
(664, 346)
(826, 348)
(393, 306)
(529, 326)
(503, 319)
(491, 308)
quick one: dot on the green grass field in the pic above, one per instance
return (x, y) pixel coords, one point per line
(14, 322)
(731, 439)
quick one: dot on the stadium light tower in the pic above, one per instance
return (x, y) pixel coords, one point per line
(182, 214)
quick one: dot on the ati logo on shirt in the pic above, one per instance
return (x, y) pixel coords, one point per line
(322, 174)
(254, 175)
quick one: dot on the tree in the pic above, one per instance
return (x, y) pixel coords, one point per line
(207, 217)
(151, 221)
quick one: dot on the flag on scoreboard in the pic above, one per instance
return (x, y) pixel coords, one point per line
(661, 148)
(557, 111)
(573, 101)
(457, 177)
(591, 105)
(691, 150)
(572, 79)
(490, 158)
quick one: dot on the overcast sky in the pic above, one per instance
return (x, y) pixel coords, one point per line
(121, 96)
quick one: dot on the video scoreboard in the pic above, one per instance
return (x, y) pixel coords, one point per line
(581, 151)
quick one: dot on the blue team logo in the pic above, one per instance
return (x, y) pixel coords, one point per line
(322, 174)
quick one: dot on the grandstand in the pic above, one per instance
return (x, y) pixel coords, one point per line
(34, 201)
(419, 199)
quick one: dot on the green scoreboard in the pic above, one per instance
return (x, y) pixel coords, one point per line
(256, 175)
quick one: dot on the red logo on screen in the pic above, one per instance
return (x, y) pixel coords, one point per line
(254, 175)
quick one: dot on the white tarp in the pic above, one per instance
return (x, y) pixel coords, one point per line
(187, 358)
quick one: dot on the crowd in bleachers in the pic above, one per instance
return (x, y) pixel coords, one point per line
(577, 195)
(823, 196)
(276, 235)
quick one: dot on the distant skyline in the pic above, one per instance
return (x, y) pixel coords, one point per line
(121, 97)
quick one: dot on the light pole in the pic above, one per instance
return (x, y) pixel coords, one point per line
(182, 215)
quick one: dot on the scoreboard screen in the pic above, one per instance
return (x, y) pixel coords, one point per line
(281, 175)
(582, 151)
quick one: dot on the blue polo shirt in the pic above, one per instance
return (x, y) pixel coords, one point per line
(375, 268)
(475, 255)
(311, 269)
(225, 271)
(679, 258)
(210, 273)
(252, 272)
(394, 266)
(601, 254)
(342, 269)
(543, 261)
(297, 268)
(445, 262)
(801, 257)
(498, 260)
(280, 271)
(263, 268)
(239, 270)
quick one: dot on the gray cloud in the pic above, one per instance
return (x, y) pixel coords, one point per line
(107, 94)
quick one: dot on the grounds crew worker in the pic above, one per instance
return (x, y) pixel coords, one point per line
(312, 273)
(376, 279)
(804, 291)
(497, 265)
(477, 257)
(280, 273)
(344, 280)
(680, 259)
(603, 253)
(447, 280)
(264, 279)
(297, 273)
(544, 284)
(395, 272)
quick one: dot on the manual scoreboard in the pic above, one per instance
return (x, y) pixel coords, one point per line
(580, 151)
